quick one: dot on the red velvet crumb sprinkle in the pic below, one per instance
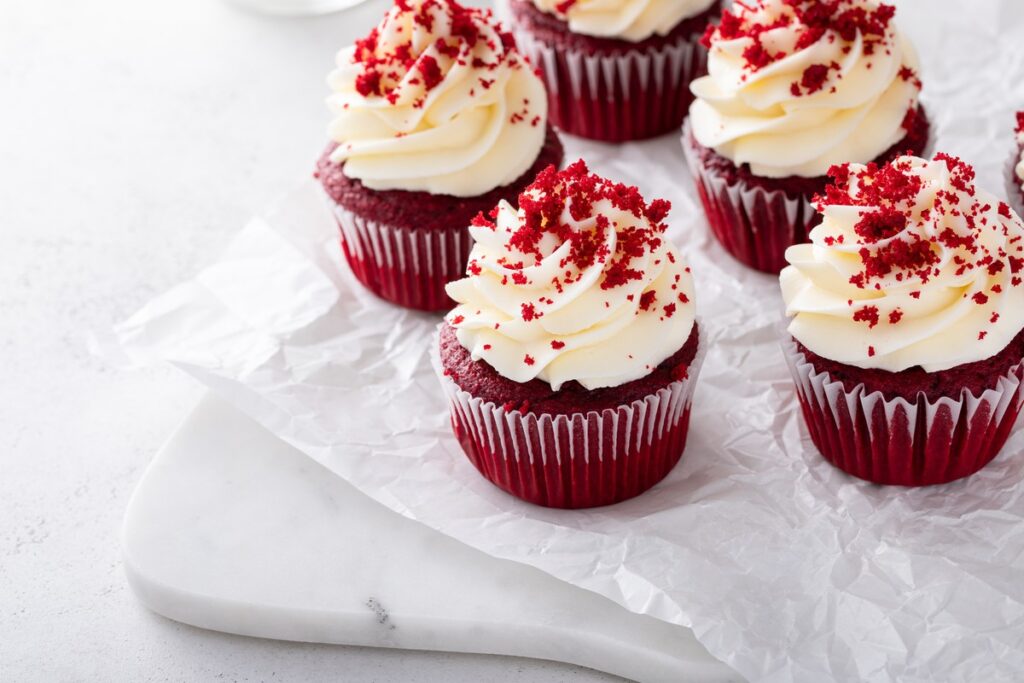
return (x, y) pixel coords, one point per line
(815, 20)
(384, 67)
(889, 249)
(868, 314)
(564, 205)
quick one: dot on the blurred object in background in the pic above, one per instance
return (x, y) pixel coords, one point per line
(296, 7)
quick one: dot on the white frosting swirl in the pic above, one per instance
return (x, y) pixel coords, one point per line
(631, 20)
(558, 316)
(422, 108)
(825, 101)
(959, 301)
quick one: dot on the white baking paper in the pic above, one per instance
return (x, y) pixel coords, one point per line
(785, 568)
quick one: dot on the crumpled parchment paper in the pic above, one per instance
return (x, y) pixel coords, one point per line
(785, 568)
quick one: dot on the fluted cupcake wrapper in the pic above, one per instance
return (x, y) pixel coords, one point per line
(406, 267)
(616, 97)
(755, 225)
(579, 461)
(895, 441)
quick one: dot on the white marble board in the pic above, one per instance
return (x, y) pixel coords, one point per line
(230, 529)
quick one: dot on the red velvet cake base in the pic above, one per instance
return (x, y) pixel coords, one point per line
(755, 218)
(974, 377)
(574, 448)
(909, 428)
(406, 246)
(482, 381)
(613, 90)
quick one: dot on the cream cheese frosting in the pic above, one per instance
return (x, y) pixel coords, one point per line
(631, 20)
(912, 265)
(795, 87)
(578, 283)
(436, 99)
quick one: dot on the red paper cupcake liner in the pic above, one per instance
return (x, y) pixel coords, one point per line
(615, 97)
(578, 461)
(406, 267)
(894, 441)
(755, 225)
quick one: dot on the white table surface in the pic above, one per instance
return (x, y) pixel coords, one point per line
(135, 137)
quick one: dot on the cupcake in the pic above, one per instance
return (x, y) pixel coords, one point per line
(1015, 176)
(571, 357)
(616, 69)
(907, 309)
(795, 87)
(437, 118)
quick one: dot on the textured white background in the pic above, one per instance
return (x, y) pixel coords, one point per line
(135, 138)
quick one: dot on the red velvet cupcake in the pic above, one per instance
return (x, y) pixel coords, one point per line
(406, 246)
(620, 72)
(793, 89)
(906, 342)
(437, 117)
(571, 359)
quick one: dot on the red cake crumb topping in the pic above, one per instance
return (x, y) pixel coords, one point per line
(542, 206)
(581, 227)
(1020, 122)
(814, 20)
(911, 120)
(909, 75)
(386, 63)
(868, 314)
(814, 78)
(889, 249)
